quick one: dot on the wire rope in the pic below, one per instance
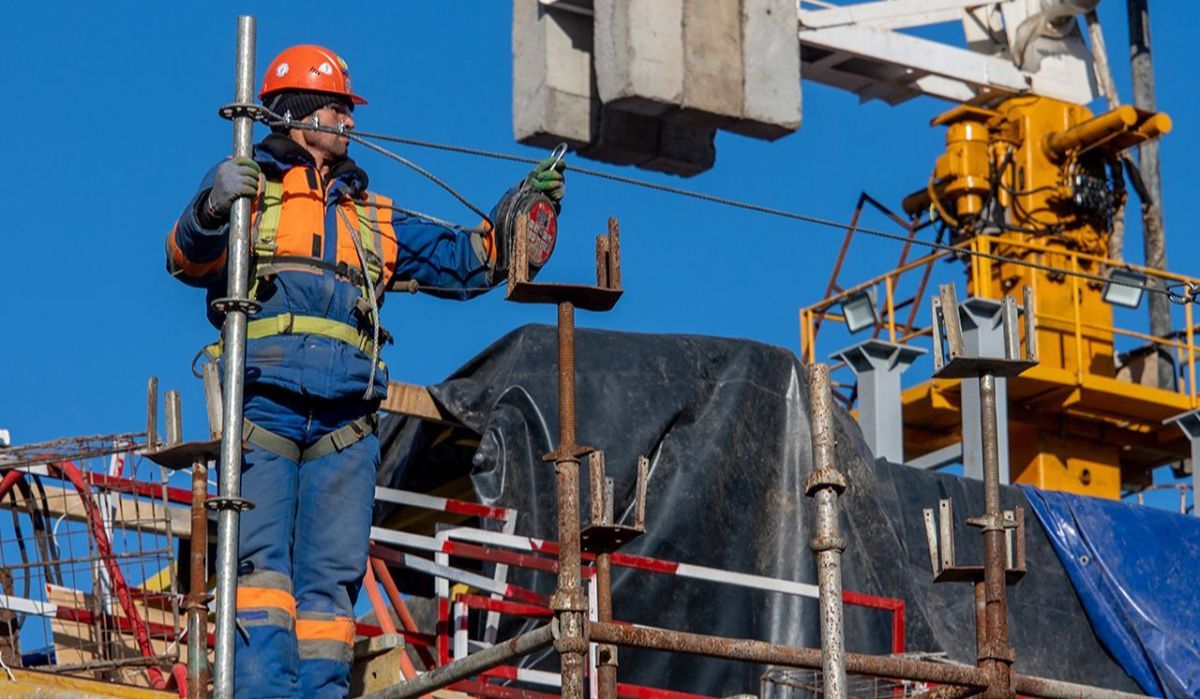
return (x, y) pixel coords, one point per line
(1189, 293)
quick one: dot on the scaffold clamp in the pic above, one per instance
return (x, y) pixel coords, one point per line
(226, 304)
(229, 503)
(233, 110)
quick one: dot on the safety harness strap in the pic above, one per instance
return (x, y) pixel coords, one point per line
(341, 438)
(267, 440)
(337, 440)
(270, 265)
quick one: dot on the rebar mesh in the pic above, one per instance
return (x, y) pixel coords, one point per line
(87, 568)
(790, 683)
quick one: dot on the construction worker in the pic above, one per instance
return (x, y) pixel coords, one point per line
(325, 249)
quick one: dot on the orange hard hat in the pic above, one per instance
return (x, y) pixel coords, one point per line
(309, 68)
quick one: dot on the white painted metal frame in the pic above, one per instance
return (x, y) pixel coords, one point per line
(859, 48)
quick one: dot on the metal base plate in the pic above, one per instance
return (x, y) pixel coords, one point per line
(607, 538)
(186, 455)
(973, 367)
(975, 574)
(588, 298)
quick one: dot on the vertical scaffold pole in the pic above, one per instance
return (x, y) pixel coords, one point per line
(233, 334)
(568, 601)
(824, 485)
(996, 657)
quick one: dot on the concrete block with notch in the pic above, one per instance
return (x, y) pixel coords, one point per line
(638, 54)
(553, 90)
(683, 150)
(624, 138)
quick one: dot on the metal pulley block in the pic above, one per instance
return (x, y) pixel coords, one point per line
(531, 215)
(528, 214)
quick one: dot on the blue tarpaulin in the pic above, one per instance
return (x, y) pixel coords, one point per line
(1137, 572)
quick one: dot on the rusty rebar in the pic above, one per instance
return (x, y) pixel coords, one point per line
(774, 654)
(568, 601)
(980, 617)
(566, 376)
(996, 656)
(824, 485)
(606, 654)
(197, 616)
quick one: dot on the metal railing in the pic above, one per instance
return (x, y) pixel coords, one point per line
(975, 252)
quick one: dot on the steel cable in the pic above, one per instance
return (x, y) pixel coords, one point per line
(1188, 294)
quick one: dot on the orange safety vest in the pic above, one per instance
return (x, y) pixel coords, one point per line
(288, 224)
(288, 229)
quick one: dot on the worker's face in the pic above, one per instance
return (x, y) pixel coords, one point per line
(328, 147)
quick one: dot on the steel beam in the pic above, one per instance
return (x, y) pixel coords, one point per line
(878, 366)
(1189, 422)
(983, 336)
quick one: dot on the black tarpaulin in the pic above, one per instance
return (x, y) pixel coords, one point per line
(725, 424)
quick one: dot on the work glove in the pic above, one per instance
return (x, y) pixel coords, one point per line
(234, 179)
(547, 178)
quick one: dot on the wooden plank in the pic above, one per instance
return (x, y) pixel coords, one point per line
(46, 685)
(414, 401)
(135, 513)
(76, 642)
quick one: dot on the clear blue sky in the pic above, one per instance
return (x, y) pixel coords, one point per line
(112, 121)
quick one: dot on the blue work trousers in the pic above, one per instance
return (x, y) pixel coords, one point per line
(302, 550)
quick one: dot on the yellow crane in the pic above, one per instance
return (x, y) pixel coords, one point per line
(1028, 189)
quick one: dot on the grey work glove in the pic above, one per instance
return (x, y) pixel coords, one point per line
(234, 179)
(547, 178)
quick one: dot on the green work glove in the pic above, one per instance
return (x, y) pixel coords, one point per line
(547, 178)
(234, 179)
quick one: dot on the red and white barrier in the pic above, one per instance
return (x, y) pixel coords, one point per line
(504, 548)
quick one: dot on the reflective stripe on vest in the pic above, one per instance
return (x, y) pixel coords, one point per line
(292, 324)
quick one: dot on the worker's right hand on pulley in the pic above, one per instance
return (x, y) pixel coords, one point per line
(234, 178)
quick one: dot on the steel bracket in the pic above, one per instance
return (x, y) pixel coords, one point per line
(172, 452)
(950, 360)
(603, 534)
(940, 537)
(601, 297)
